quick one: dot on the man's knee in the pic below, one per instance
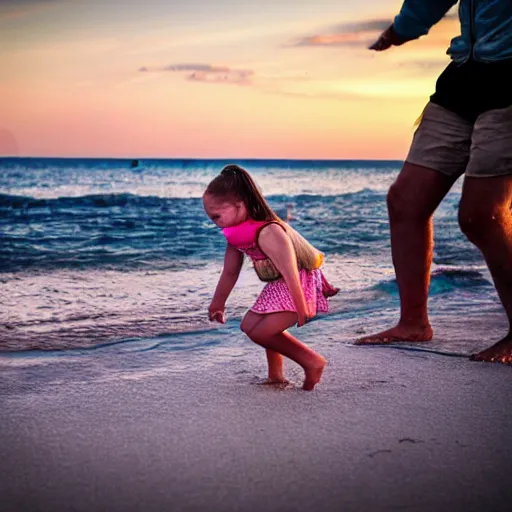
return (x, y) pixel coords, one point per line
(481, 221)
(400, 206)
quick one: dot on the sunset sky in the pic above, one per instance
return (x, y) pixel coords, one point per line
(211, 78)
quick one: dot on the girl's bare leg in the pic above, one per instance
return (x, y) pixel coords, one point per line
(275, 368)
(274, 359)
(270, 332)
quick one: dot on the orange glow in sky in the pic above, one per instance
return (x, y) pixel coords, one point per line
(202, 79)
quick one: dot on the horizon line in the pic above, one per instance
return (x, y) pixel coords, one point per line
(216, 159)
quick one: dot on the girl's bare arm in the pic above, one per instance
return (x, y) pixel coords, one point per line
(276, 244)
(233, 260)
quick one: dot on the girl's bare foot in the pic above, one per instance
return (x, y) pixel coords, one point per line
(314, 374)
(330, 292)
(398, 333)
(500, 352)
(281, 381)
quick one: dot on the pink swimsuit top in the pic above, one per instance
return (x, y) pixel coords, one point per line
(244, 237)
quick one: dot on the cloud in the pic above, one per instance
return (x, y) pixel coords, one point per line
(425, 64)
(24, 3)
(382, 89)
(358, 33)
(207, 73)
(10, 9)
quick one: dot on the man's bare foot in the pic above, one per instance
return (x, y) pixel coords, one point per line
(398, 333)
(314, 374)
(500, 352)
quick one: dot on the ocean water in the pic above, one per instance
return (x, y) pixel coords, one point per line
(97, 256)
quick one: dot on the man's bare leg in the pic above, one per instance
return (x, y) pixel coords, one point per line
(412, 200)
(485, 217)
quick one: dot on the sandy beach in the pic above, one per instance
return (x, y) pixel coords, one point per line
(118, 395)
(387, 429)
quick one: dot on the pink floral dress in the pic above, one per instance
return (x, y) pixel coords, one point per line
(276, 296)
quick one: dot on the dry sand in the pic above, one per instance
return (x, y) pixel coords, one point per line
(386, 430)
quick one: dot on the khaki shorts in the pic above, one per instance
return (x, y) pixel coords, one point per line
(452, 145)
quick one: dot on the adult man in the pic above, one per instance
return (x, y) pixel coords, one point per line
(466, 128)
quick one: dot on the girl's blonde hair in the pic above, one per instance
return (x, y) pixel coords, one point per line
(235, 183)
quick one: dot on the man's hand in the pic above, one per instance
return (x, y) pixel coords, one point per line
(387, 39)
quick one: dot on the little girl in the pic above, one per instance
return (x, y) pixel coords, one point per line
(296, 288)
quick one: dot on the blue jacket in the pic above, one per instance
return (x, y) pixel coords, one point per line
(486, 26)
